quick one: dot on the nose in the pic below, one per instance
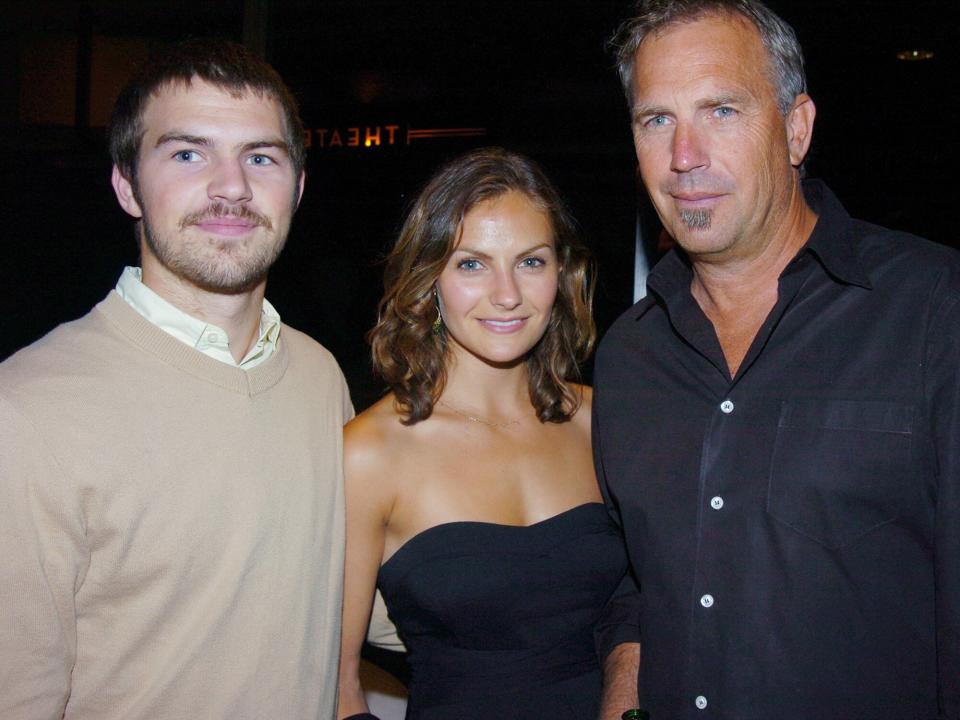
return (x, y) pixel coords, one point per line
(688, 151)
(228, 182)
(506, 291)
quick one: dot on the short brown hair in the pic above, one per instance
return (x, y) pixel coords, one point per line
(410, 355)
(219, 62)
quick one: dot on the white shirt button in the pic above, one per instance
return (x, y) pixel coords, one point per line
(726, 406)
(716, 502)
(212, 337)
(707, 600)
(700, 702)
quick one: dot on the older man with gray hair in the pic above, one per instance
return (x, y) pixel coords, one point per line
(777, 425)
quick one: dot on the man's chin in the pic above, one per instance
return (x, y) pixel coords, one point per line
(220, 271)
(227, 284)
(214, 263)
(700, 242)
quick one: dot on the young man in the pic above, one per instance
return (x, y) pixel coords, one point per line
(170, 464)
(777, 426)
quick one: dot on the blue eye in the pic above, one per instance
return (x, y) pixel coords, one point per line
(724, 112)
(260, 160)
(532, 262)
(469, 265)
(656, 121)
(186, 156)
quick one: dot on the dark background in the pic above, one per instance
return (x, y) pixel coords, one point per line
(534, 75)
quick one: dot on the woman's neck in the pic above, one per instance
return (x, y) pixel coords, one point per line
(493, 392)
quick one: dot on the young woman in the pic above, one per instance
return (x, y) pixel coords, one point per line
(471, 496)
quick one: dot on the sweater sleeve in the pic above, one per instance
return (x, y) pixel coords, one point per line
(348, 411)
(40, 566)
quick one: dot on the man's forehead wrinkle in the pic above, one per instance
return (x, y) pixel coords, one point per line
(707, 89)
(179, 87)
(204, 117)
(713, 67)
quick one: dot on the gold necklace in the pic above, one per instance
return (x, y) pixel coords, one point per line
(482, 421)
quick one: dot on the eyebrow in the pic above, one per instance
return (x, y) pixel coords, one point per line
(640, 111)
(260, 144)
(176, 136)
(181, 137)
(486, 256)
(724, 99)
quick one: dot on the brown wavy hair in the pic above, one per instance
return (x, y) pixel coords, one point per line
(410, 355)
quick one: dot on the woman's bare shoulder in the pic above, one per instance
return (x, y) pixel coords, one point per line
(376, 418)
(369, 438)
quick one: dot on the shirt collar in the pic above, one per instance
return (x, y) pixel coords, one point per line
(205, 337)
(831, 242)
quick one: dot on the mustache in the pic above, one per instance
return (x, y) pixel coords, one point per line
(700, 184)
(221, 210)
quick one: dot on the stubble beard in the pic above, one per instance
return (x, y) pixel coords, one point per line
(215, 265)
(696, 219)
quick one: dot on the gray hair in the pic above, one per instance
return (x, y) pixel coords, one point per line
(653, 16)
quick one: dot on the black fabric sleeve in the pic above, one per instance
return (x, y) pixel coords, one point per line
(620, 622)
(943, 394)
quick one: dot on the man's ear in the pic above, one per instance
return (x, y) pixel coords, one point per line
(303, 181)
(123, 189)
(800, 128)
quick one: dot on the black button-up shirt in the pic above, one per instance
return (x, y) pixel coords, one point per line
(795, 530)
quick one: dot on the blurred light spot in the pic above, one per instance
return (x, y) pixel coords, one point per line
(913, 55)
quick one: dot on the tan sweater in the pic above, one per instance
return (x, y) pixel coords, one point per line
(171, 527)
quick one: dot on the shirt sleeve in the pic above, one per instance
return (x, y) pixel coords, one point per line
(620, 622)
(943, 388)
(40, 565)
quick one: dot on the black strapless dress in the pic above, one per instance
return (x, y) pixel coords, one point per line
(498, 619)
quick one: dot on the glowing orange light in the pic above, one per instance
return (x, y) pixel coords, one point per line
(424, 133)
(914, 55)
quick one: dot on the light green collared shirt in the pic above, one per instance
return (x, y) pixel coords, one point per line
(208, 339)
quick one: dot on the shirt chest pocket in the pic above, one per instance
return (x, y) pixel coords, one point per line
(840, 468)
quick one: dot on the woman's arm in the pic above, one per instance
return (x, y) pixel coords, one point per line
(369, 496)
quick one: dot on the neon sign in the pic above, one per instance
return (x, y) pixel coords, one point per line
(371, 136)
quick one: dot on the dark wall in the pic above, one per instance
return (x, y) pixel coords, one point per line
(534, 75)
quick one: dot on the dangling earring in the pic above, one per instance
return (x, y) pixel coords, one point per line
(438, 323)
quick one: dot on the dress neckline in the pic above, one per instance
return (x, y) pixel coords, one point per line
(503, 527)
